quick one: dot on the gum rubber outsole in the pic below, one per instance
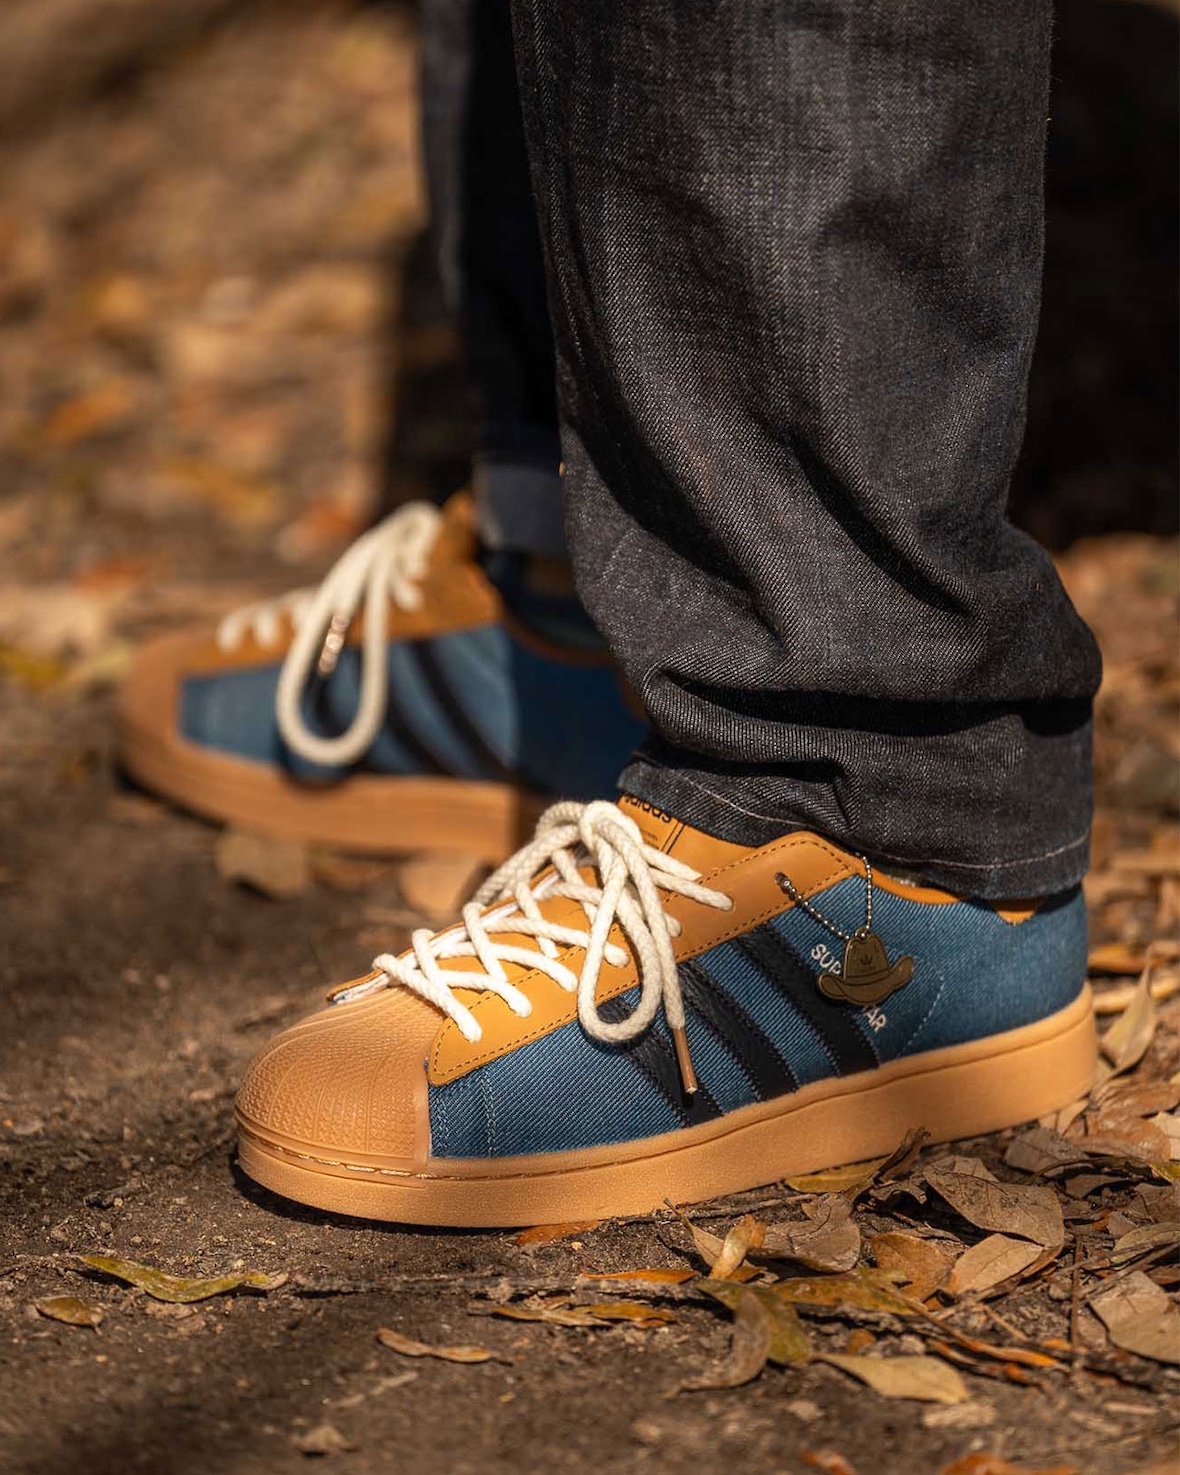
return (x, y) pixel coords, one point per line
(364, 813)
(961, 1091)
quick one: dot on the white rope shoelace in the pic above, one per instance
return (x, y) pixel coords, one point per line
(631, 876)
(383, 564)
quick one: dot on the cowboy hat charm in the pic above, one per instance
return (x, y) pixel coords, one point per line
(866, 977)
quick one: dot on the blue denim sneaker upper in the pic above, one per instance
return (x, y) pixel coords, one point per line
(474, 704)
(759, 1026)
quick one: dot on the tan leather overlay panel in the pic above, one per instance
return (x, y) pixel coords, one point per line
(745, 875)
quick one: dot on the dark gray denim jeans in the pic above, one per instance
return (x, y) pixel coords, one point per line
(793, 254)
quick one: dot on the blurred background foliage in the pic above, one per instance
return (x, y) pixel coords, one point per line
(219, 330)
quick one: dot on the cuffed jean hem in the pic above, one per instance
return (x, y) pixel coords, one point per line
(733, 814)
(519, 507)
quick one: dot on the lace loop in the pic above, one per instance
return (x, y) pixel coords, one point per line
(386, 563)
(570, 838)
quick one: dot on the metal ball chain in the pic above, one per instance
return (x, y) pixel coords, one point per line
(801, 901)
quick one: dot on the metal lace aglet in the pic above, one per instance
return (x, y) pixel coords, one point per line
(333, 644)
(688, 1076)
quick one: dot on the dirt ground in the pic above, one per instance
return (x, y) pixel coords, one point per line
(197, 317)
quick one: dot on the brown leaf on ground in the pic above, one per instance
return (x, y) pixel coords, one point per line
(827, 1461)
(725, 1258)
(322, 1439)
(994, 1259)
(70, 1310)
(1125, 1043)
(55, 621)
(277, 868)
(438, 885)
(828, 1239)
(836, 1180)
(1030, 1211)
(746, 1234)
(346, 872)
(1139, 1317)
(1159, 1202)
(749, 1349)
(1142, 1241)
(408, 1347)
(856, 1290)
(1041, 1148)
(985, 1464)
(1018, 1356)
(552, 1313)
(181, 1289)
(1119, 958)
(927, 1379)
(921, 1265)
(549, 1234)
(1165, 984)
(635, 1312)
(1133, 1100)
(789, 1342)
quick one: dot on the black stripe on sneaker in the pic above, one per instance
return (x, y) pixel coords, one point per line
(742, 1036)
(833, 1022)
(400, 730)
(488, 760)
(653, 1056)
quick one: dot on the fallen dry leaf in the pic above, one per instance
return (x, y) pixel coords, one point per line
(836, 1180)
(827, 1461)
(856, 1290)
(1142, 1241)
(636, 1312)
(1018, 1356)
(749, 1348)
(994, 1259)
(730, 1252)
(438, 885)
(1130, 1100)
(1125, 1043)
(959, 1416)
(1167, 1124)
(985, 1464)
(1164, 985)
(322, 1439)
(549, 1234)
(927, 1379)
(1041, 1148)
(277, 868)
(1118, 958)
(747, 1234)
(1030, 1211)
(70, 1310)
(789, 1342)
(553, 1313)
(346, 872)
(181, 1289)
(921, 1265)
(828, 1239)
(54, 621)
(408, 1347)
(1140, 1317)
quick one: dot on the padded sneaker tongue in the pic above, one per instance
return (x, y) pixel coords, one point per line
(672, 836)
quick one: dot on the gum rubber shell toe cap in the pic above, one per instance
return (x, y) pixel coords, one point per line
(349, 1082)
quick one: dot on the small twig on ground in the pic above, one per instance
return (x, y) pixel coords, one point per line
(1075, 1348)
